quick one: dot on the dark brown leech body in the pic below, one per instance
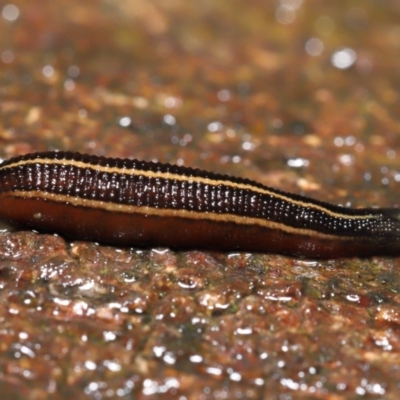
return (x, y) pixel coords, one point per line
(134, 203)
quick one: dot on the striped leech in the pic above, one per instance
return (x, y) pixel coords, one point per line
(127, 202)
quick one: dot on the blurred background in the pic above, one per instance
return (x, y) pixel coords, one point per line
(271, 90)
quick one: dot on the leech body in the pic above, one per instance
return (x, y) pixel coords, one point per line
(145, 204)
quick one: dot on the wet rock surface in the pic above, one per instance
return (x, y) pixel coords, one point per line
(296, 95)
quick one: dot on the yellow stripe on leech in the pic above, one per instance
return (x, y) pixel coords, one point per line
(204, 181)
(194, 215)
